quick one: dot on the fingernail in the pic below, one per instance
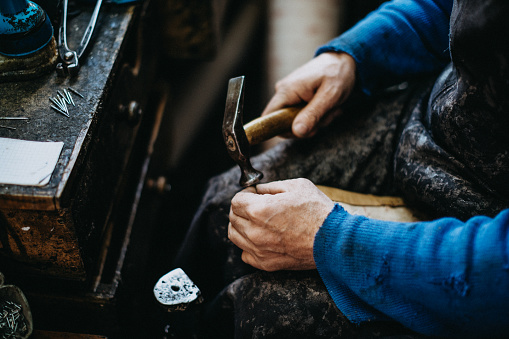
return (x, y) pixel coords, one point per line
(301, 129)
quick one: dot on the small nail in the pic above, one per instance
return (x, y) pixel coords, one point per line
(62, 101)
(76, 92)
(59, 110)
(57, 102)
(64, 97)
(68, 94)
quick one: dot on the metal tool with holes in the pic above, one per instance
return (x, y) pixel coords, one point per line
(70, 59)
(176, 291)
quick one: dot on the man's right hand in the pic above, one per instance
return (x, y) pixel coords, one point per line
(324, 83)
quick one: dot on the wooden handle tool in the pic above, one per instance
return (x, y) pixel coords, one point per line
(271, 125)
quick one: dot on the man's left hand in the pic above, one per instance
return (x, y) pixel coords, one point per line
(275, 223)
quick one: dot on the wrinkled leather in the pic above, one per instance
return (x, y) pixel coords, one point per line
(454, 153)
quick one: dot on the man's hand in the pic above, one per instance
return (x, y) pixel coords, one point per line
(324, 83)
(275, 224)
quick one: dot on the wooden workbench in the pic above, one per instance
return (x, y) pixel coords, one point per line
(65, 229)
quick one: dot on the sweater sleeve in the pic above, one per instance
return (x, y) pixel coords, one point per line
(444, 277)
(402, 38)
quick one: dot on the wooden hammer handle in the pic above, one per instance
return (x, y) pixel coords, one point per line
(271, 125)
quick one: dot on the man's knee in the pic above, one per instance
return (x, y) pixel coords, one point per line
(284, 305)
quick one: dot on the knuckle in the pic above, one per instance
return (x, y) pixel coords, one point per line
(260, 254)
(279, 84)
(303, 181)
(245, 257)
(288, 93)
(237, 199)
(311, 116)
(250, 212)
(271, 266)
(234, 204)
(230, 233)
(267, 267)
(255, 213)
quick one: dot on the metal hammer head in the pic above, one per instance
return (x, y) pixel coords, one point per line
(234, 135)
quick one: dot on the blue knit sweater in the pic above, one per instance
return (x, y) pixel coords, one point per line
(445, 277)
(403, 38)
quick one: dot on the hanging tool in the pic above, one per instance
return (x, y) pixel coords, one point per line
(70, 59)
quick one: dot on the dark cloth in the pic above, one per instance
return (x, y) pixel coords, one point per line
(286, 304)
(457, 146)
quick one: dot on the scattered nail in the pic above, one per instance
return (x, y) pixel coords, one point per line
(63, 99)
(76, 92)
(65, 106)
(59, 110)
(68, 95)
(57, 102)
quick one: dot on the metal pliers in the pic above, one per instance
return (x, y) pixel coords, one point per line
(70, 59)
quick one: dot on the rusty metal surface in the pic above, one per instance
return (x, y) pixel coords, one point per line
(31, 99)
(47, 241)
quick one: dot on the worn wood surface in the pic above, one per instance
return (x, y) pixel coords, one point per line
(31, 99)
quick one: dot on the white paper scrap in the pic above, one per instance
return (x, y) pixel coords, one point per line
(28, 163)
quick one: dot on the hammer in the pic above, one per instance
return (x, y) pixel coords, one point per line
(238, 138)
